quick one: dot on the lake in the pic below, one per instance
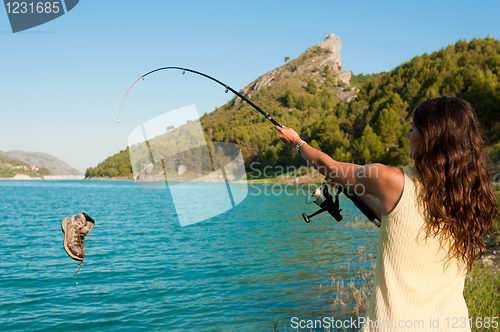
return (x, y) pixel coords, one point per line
(243, 270)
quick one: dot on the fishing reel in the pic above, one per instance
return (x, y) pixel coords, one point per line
(322, 198)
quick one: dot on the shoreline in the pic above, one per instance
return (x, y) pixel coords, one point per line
(46, 178)
(310, 177)
(279, 180)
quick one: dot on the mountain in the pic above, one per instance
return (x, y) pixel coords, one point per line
(55, 165)
(323, 103)
(301, 94)
(11, 167)
(319, 63)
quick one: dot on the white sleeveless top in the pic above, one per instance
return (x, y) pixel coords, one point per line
(414, 289)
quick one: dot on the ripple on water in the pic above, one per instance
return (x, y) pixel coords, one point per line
(238, 271)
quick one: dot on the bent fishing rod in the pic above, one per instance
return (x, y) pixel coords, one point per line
(228, 88)
(321, 196)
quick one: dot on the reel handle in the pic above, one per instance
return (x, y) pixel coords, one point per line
(337, 216)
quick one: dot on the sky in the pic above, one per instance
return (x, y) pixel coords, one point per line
(62, 82)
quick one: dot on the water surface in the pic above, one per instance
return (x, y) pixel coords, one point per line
(239, 271)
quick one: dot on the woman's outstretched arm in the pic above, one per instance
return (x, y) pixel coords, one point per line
(384, 182)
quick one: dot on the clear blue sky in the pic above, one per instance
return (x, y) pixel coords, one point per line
(62, 82)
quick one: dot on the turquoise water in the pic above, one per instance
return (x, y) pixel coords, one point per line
(239, 271)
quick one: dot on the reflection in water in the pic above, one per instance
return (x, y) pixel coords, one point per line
(183, 157)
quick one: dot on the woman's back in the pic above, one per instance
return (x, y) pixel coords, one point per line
(414, 280)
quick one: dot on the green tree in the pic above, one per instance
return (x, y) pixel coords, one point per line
(311, 87)
(290, 98)
(341, 154)
(388, 126)
(484, 95)
(369, 146)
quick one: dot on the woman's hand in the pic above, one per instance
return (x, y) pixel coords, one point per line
(288, 135)
(332, 183)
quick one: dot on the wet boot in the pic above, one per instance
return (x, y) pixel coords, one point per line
(75, 228)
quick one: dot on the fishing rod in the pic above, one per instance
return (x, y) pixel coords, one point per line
(321, 195)
(228, 88)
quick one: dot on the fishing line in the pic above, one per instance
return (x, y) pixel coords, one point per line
(118, 118)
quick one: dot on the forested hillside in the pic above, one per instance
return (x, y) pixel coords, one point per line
(371, 127)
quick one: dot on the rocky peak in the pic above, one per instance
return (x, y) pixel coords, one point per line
(332, 43)
(309, 65)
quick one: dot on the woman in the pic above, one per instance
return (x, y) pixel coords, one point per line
(434, 216)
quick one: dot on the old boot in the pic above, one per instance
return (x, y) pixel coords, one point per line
(75, 228)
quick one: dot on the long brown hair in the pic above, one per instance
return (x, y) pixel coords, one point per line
(453, 168)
